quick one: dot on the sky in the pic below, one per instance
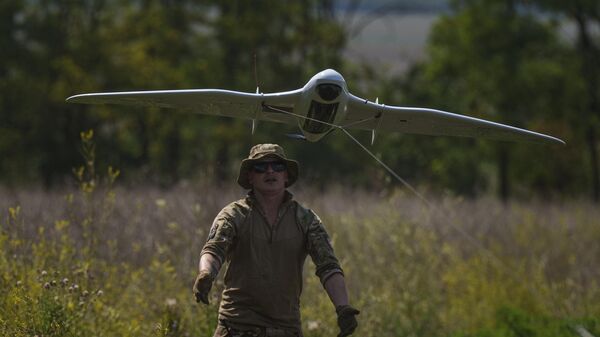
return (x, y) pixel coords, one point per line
(391, 34)
(392, 41)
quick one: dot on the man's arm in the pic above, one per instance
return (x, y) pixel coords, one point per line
(220, 239)
(320, 249)
(208, 268)
(335, 286)
(331, 275)
(209, 263)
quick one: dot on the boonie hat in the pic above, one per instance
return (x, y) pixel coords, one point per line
(260, 151)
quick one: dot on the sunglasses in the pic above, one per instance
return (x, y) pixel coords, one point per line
(263, 166)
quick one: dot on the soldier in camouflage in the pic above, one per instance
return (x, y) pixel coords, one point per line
(265, 239)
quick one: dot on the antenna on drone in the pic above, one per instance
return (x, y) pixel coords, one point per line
(257, 92)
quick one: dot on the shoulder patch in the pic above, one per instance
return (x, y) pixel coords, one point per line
(212, 233)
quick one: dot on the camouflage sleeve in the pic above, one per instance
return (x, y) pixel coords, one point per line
(320, 248)
(221, 236)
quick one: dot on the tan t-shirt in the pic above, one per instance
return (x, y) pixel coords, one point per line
(263, 281)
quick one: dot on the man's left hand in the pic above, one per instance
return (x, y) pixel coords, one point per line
(346, 320)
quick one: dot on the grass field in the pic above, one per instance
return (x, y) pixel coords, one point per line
(98, 260)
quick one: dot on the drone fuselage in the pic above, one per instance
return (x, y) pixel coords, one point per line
(324, 103)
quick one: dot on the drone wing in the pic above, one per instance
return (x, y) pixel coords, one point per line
(204, 101)
(363, 114)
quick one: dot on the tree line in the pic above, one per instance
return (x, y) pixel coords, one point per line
(531, 64)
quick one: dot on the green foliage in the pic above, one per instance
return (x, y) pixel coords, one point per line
(102, 271)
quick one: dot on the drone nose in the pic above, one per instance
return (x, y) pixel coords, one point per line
(328, 92)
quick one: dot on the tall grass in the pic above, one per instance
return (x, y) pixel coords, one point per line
(103, 260)
(121, 261)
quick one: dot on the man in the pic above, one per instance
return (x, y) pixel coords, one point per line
(265, 239)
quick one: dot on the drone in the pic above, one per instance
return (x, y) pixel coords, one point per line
(323, 105)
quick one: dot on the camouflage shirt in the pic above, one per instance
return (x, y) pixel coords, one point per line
(263, 280)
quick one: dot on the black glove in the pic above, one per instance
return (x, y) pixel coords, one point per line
(202, 286)
(346, 319)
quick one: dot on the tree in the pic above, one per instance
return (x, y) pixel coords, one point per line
(483, 61)
(585, 14)
(57, 49)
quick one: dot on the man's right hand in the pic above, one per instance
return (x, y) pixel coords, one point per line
(202, 286)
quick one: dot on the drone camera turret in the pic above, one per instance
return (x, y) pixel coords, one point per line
(328, 92)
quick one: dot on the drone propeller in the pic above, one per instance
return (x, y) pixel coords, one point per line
(256, 114)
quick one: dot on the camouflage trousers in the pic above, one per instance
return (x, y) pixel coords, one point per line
(224, 331)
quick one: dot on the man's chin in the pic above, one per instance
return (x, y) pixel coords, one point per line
(271, 188)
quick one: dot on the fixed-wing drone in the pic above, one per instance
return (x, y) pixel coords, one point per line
(321, 106)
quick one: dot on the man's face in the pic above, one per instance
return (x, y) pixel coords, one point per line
(268, 175)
